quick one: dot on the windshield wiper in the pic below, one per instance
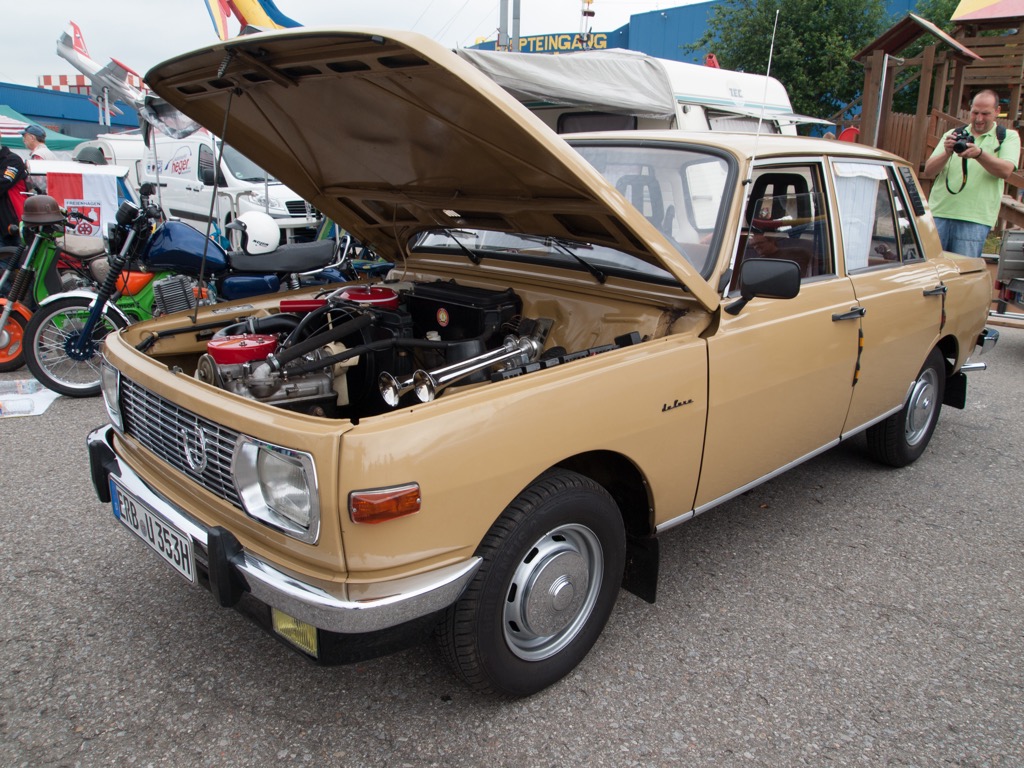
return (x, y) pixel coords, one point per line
(473, 255)
(569, 249)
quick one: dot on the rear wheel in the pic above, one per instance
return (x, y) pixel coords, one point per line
(901, 439)
(552, 567)
(12, 343)
(53, 351)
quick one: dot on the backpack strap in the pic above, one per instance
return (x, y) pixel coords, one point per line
(1000, 134)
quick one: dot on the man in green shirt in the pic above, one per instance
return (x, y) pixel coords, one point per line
(969, 184)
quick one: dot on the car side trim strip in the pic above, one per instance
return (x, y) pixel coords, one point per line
(669, 524)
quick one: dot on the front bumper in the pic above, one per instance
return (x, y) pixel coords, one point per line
(233, 571)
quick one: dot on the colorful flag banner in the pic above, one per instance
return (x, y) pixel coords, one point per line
(91, 194)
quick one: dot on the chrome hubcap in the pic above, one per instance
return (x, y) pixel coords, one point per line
(922, 405)
(553, 592)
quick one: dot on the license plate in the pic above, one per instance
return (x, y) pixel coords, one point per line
(166, 540)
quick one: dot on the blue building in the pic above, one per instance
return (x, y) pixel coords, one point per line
(665, 34)
(68, 113)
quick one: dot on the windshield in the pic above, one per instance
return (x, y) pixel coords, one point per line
(242, 168)
(681, 191)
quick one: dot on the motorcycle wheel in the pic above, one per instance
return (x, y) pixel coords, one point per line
(50, 341)
(12, 354)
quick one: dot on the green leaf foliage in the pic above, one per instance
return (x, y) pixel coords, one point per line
(814, 45)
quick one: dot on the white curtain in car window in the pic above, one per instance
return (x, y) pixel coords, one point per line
(857, 190)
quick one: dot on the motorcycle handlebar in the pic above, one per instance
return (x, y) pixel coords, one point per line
(78, 215)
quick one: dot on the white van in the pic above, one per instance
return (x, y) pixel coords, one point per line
(619, 89)
(125, 149)
(183, 172)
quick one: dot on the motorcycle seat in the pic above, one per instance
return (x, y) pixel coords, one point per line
(292, 257)
(82, 247)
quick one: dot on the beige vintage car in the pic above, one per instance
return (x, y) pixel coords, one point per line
(582, 345)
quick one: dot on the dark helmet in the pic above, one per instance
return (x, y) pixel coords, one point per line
(42, 209)
(91, 155)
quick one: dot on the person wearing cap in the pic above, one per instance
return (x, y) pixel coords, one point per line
(34, 138)
(12, 195)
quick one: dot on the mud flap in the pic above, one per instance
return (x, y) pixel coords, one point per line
(641, 572)
(956, 391)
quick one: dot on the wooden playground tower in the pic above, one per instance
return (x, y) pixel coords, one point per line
(982, 52)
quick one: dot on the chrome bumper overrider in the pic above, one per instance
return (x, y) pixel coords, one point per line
(324, 605)
(987, 339)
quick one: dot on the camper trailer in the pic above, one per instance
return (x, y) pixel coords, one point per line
(627, 90)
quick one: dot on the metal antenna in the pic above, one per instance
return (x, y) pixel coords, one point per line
(753, 156)
(764, 99)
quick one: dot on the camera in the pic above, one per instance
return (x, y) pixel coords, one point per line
(961, 138)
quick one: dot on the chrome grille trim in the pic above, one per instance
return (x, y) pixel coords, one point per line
(299, 209)
(159, 425)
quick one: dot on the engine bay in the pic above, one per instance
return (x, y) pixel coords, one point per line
(360, 350)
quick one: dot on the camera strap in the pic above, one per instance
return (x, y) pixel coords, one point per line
(963, 162)
(1000, 138)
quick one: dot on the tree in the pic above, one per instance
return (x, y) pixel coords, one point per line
(814, 45)
(939, 13)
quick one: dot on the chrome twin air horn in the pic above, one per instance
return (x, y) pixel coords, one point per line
(517, 350)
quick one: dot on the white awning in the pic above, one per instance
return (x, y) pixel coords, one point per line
(786, 118)
(617, 81)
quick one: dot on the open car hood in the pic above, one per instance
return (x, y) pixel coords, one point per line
(389, 133)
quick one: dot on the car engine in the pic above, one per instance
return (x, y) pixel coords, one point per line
(362, 349)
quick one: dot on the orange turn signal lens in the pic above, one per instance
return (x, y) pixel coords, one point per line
(384, 504)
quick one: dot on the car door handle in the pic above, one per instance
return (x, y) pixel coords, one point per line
(853, 314)
(939, 290)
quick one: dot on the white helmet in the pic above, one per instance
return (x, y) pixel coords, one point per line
(260, 233)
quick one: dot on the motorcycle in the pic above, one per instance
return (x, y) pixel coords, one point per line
(38, 268)
(181, 267)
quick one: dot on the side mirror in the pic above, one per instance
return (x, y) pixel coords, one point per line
(766, 279)
(148, 189)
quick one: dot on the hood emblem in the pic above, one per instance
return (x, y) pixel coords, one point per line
(193, 441)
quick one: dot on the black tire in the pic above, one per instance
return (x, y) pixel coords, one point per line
(12, 354)
(48, 338)
(552, 568)
(901, 439)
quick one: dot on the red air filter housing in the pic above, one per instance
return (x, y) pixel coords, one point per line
(247, 348)
(373, 295)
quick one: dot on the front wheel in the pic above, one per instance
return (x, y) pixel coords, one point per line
(552, 567)
(901, 439)
(12, 342)
(53, 351)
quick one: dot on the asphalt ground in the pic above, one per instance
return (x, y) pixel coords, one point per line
(843, 614)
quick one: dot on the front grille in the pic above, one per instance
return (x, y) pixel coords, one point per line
(300, 209)
(173, 434)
